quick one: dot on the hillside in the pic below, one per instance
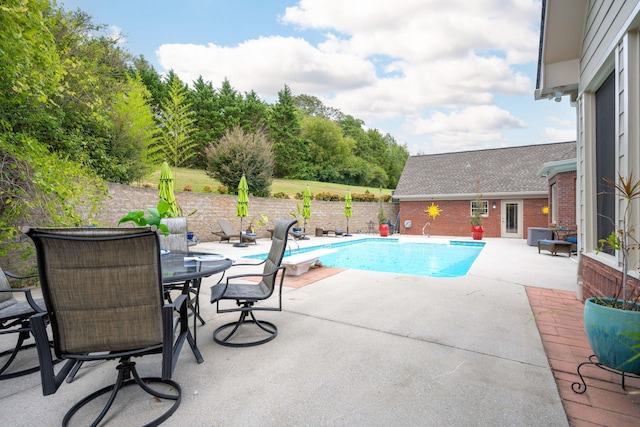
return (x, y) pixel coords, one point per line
(198, 179)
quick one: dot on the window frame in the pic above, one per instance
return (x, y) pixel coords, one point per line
(475, 207)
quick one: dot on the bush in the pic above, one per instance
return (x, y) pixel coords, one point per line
(207, 189)
(222, 189)
(280, 195)
(327, 196)
(187, 188)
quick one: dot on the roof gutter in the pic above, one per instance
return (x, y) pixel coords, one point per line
(551, 169)
(473, 196)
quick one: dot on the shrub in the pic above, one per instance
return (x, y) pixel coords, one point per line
(187, 188)
(207, 189)
(280, 195)
(222, 189)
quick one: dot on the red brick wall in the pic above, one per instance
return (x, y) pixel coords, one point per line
(601, 280)
(566, 199)
(454, 220)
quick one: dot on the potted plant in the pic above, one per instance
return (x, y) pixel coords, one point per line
(383, 226)
(612, 321)
(258, 221)
(477, 231)
(298, 217)
(153, 218)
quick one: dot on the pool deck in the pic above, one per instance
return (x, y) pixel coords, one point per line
(497, 347)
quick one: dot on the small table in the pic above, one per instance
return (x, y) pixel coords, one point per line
(186, 276)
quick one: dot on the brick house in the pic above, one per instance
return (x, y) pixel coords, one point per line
(590, 54)
(508, 187)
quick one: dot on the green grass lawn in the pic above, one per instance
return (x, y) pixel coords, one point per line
(198, 179)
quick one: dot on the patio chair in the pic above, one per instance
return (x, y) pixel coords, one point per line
(226, 233)
(14, 319)
(104, 295)
(177, 238)
(247, 294)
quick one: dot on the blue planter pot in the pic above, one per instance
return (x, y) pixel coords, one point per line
(606, 328)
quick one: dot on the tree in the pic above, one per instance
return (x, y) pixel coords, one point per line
(239, 152)
(290, 152)
(253, 113)
(312, 106)
(30, 69)
(134, 130)
(176, 126)
(204, 105)
(41, 188)
(328, 149)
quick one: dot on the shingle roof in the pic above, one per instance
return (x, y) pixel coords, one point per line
(495, 171)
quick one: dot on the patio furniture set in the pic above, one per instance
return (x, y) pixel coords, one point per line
(145, 308)
(563, 241)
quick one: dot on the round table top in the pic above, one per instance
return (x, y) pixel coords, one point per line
(179, 266)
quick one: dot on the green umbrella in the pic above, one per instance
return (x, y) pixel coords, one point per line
(306, 206)
(166, 188)
(347, 209)
(242, 208)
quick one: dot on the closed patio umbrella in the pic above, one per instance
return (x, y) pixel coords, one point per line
(242, 208)
(306, 207)
(166, 188)
(347, 210)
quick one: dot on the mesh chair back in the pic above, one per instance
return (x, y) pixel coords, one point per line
(276, 253)
(177, 238)
(102, 287)
(6, 298)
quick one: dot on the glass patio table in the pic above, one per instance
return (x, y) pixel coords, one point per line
(184, 271)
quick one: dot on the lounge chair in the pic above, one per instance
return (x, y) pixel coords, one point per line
(247, 294)
(226, 233)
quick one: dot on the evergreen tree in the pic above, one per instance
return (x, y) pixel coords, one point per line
(290, 151)
(176, 127)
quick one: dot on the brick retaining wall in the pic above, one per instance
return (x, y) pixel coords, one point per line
(211, 207)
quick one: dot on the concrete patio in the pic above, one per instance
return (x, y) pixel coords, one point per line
(357, 348)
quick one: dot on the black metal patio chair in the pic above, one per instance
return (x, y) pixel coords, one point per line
(104, 299)
(14, 319)
(247, 295)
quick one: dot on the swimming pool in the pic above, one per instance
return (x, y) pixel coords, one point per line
(443, 259)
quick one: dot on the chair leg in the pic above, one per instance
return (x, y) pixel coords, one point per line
(268, 327)
(13, 353)
(126, 369)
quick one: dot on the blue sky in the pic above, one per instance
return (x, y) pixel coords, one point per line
(438, 75)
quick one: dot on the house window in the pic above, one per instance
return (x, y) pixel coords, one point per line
(605, 157)
(554, 204)
(480, 207)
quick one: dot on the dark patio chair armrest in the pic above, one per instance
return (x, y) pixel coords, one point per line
(15, 276)
(240, 276)
(249, 264)
(27, 293)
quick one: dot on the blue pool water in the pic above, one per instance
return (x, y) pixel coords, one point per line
(447, 259)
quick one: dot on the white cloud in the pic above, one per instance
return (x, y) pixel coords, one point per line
(408, 60)
(115, 33)
(482, 118)
(266, 64)
(555, 134)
